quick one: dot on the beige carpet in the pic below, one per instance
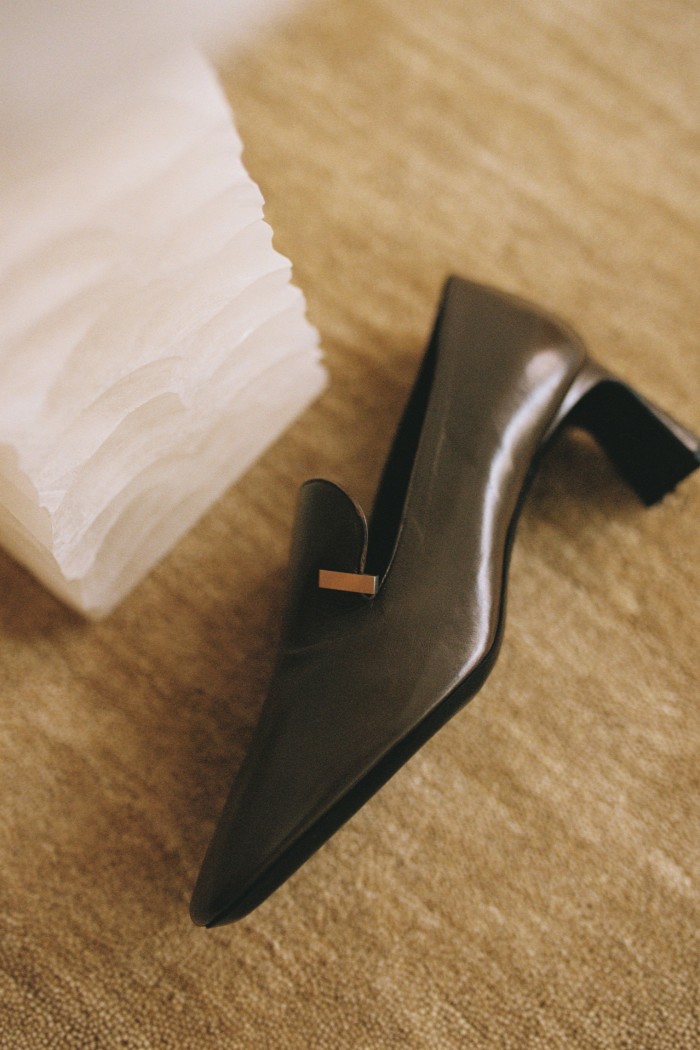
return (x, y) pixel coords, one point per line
(532, 877)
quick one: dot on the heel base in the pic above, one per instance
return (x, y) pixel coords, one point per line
(659, 483)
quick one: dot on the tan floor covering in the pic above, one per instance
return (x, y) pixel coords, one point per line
(532, 877)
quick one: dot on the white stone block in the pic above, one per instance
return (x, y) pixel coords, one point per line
(151, 343)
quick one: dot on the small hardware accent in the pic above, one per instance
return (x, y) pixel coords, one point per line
(354, 582)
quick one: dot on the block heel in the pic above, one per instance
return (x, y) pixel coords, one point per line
(649, 449)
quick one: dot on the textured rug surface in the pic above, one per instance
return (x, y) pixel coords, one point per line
(532, 877)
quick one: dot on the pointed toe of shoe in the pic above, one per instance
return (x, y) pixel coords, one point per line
(239, 870)
(210, 907)
(220, 893)
(216, 901)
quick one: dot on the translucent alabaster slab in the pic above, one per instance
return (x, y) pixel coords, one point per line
(151, 343)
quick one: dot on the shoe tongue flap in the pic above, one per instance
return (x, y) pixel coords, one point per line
(330, 531)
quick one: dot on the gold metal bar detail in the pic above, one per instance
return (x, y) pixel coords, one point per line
(355, 582)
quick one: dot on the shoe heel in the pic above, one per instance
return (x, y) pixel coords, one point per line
(649, 449)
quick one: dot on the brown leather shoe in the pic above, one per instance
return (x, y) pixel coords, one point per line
(391, 629)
